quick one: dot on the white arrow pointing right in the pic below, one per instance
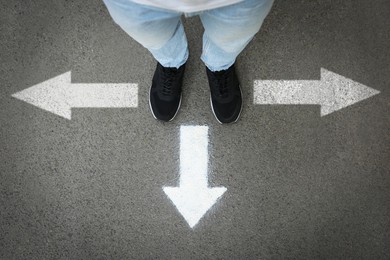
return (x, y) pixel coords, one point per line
(333, 92)
(193, 198)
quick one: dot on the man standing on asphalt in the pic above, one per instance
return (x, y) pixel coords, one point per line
(229, 26)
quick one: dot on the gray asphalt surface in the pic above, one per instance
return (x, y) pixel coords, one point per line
(299, 186)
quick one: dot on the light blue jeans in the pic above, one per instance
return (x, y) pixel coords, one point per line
(227, 32)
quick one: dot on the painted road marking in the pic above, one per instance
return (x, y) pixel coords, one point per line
(193, 198)
(333, 92)
(58, 95)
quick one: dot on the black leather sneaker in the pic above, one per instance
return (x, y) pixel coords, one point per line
(226, 96)
(165, 92)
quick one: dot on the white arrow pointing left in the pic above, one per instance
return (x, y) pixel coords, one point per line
(58, 95)
(193, 198)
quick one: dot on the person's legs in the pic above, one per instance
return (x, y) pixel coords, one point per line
(228, 30)
(162, 33)
(158, 30)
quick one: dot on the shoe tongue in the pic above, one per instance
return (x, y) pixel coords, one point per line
(169, 70)
(220, 73)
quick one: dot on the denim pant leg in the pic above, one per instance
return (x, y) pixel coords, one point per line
(229, 29)
(160, 31)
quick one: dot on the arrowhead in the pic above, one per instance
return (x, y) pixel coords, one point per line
(338, 92)
(193, 203)
(50, 95)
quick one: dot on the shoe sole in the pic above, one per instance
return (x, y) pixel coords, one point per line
(239, 114)
(150, 106)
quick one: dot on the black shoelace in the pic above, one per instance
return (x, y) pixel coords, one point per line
(221, 80)
(168, 78)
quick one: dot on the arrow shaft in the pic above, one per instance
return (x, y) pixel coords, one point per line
(287, 92)
(193, 156)
(103, 95)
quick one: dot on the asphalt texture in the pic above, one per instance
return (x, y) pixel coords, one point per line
(299, 186)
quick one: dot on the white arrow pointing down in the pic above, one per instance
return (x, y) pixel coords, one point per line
(193, 198)
(58, 95)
